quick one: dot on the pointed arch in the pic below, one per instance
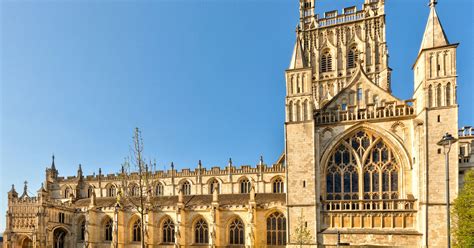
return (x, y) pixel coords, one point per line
(214, 184)
(244, 185)
(200, 230)
(168, 230)
(236, 230)
(107, 228)
(448, 94)
(430, 96)
(298, 111)
(438, 95)
(397, 150)
(276, 229)
(290, 111)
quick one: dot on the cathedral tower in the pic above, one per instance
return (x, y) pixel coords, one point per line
(435, 92)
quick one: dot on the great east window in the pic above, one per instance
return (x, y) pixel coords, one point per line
(362, 167)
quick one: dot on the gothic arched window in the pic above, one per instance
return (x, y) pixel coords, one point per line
(352, 57)
(82, 230)
(59, 238)
(380, 169)
(448, 94)
(111, 191)
(276, 229)
(168, 231)
(108, 227)
(137, 231)
(236, 232)
(278, 185)
(201, 232)
(326, 62)
(244, 186)
(134, 190)
(159, 189)
(27, 243)
(90, 191)
(186, 188)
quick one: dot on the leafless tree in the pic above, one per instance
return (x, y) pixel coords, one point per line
(136, 188)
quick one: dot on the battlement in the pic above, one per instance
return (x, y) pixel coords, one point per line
(466, 131)
(353, 113)
(348, 14)
(187, 172)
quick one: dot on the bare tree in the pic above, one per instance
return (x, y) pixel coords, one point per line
(302, 235)
(135, 190)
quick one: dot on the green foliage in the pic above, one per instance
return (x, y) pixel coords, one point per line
(463, 213)
(302, 234)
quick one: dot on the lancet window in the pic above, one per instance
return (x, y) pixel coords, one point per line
(362, 167)
(244, 186)
(168, 231)
(236, 232)
(186, 188)
(201, 232)
(137, 231)
(108, 227)
(326, 62)
(352, 57)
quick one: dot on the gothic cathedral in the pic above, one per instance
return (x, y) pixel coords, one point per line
(360, 165)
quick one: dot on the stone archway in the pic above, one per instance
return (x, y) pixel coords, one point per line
(59, 238)
(26, 243)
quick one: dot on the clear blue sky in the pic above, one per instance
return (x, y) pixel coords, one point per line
(202, 79)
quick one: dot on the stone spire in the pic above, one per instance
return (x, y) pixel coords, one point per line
(12, 193)
(79, 171)
(434, 35)
(25, 190)
(297, 59)
(53, 166)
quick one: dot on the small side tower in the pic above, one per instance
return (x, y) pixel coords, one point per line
(435, 93)
(299, 144)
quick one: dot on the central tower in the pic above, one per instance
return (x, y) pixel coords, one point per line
(329, 51)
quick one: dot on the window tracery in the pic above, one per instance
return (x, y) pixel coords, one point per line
(108, 230)
(186, 188)
(276, 229)
(278, 185)
(168, 231)
(201, 232)
(137, 231)
(362, 167)
(236, 232)
(245, 186)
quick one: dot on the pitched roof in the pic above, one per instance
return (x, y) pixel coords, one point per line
(194, 200)
(434, 35)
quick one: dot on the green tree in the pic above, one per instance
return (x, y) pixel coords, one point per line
(463, 213)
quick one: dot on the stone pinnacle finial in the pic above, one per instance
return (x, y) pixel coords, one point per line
(172, 165)
(230, 161)
(53, 166)
(433, 3)
(199, 163)
(261, 160)
(25, 188)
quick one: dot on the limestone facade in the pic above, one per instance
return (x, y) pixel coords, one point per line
(360, 165)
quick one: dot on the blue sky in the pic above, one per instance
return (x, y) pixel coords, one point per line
(202, 79)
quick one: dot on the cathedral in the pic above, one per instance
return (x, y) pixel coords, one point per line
(360, 166)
